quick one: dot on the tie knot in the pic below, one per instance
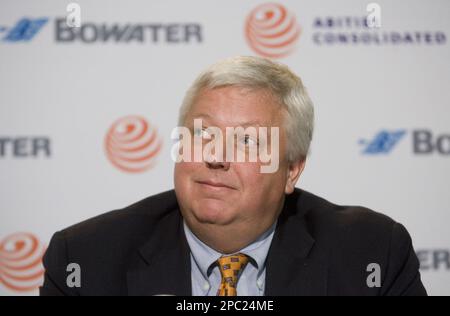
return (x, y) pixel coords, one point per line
(230, 269)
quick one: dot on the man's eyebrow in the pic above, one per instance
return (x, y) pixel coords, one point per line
(202, 116)
(243, 123)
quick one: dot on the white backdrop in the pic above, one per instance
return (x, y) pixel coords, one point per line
(59, 99)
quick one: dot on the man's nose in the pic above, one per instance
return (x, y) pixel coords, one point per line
(218, 165)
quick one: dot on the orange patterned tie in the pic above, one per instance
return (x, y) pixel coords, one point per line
(230, 268)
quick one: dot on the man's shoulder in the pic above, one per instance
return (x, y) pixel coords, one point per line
(351, 241)
(324, 216)
(105, 246)
(134, 221)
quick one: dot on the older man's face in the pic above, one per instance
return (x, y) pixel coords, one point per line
(233, 193)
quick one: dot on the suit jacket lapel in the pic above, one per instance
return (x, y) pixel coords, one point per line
(291, 268)
(164, 265)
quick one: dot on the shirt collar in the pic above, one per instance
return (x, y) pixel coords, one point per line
(204, 256)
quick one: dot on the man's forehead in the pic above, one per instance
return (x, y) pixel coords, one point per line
(237, 92)
(239, 121)
(263, 112)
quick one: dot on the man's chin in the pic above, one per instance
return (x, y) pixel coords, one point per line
(212, 212)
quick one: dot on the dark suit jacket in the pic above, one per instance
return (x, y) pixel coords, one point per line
(318, 249)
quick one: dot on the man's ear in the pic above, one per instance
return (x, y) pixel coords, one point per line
(294, 171)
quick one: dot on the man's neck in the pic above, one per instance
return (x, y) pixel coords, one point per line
(230, 239)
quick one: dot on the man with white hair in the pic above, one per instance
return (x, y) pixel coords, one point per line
(228, 228)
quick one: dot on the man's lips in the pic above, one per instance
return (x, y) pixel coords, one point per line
(215, 184)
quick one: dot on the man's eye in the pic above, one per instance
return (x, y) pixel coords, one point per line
(249, 141)
(201, 133)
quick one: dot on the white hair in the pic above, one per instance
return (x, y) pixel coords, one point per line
(261, 73)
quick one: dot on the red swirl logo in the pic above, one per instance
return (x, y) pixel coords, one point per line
(21, 262)
(271, 31)
(132, 144)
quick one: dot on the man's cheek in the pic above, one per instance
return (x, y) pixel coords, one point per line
(185, 168)
(250, 170)
(253, 182)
